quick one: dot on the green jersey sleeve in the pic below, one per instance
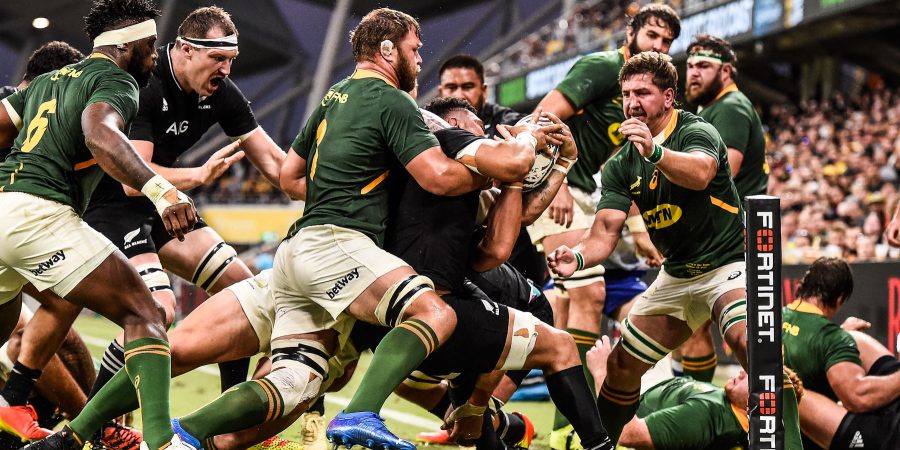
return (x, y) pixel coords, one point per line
(702, 137)
(614, 185)
(119, 90)
(734, 125)
(302, 144)
(15, 107)
(405, 131)
(838, 346)
(592, 77)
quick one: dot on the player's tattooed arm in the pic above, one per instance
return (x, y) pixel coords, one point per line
(537, 200)
(502, 230)
(102, 126)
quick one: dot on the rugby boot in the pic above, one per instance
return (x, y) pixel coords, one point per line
(313, 426)
(21, 422)
(184, 438)
(439, 437)
(565, 438)
(175, 444)
(366, 429)
(525, 443)
(64, 439)
(114, 436)
(277, 443)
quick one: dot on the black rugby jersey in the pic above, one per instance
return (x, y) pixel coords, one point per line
(432, 233)
(174, 120)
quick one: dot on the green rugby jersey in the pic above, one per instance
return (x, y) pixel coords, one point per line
(736, 120)
(49, 158)
(682, 413)
(352, 140)
(696, 231)
(812, 344)
(592, 85)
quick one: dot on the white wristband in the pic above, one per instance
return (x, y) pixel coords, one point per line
(527, 138)
(560, 168)
(568, 160)
(156, 189)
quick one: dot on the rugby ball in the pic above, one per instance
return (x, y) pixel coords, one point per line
(542, 162)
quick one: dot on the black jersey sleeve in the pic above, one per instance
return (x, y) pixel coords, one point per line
(453, 140)
(149, 105)
(237, 117)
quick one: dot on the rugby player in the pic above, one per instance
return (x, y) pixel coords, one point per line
(331, 263)
(589, 100)
(683, 413)
(830, 425)
(73, 120)
(824, 355)
(710, 86)
(462, 76)
(674, 167)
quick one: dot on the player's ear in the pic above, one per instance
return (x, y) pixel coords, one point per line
(669, 97)
(387, 50)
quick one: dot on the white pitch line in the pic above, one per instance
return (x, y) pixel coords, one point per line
(399, 416)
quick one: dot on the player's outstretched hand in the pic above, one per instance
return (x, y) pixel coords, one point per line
(596, 359)
(561, 208)
(220, 161)
(181, 216)
(562, 261)
(644, 247)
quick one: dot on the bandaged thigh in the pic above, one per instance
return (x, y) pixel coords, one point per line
(393, 305)
(641, 346)
(298, 368)
(524, 337)
(213, 265)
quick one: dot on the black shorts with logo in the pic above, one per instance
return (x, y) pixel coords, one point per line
(134, 227)
(877, 430)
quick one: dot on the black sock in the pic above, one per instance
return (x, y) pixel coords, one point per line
(489, 440)
(441, 408)
(21, 382)
(318, 406)
(572, 396)
(113, 361)
(233, 373)
(511, 428)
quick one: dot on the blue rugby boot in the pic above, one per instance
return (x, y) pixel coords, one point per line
(184, 436)
(366, 429)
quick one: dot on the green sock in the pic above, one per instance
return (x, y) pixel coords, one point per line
(790, 416)
(701, 368)
(149, 365)
(616, 409)
(584, 340)
(245, 405)
(117, 397)
(398, 354)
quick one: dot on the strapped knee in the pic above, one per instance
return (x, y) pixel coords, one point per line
(399, 296)
(213, 265)
(298, 368)
(641, 346)
(733, 314)
(154, 277)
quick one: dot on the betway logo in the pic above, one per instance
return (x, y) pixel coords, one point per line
(49, 263)
(344, 281)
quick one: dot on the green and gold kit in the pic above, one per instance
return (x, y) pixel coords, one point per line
(49, 158)
(736, 120)
(696, 231)
(812, 344)
(361, 129)
(592, 86)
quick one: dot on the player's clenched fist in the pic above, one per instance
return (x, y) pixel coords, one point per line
(562, 261)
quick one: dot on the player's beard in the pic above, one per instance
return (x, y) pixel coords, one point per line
(633, 48)
(406, 73)
(706, 96)
(137, 69)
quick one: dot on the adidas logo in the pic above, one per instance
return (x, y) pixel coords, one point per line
(857, 441)
(165, 105)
